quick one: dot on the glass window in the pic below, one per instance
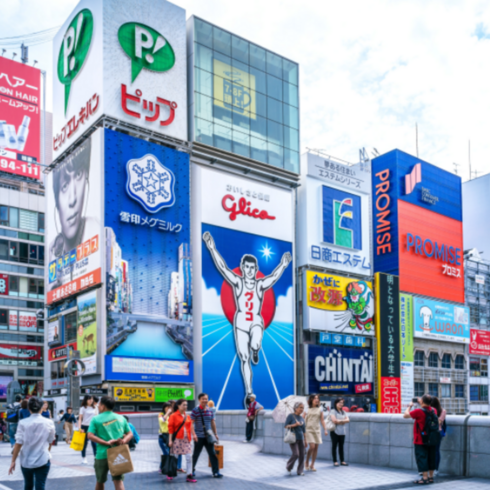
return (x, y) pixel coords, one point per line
(32, 288)
(222, 41)
(433, 360)
(242, 120)
(290, 94)
(484, 367)
(13, 320)
(258, 149)
(41, 254)
(13, 286)
(274, 64)
(243, 77)
(33, 237)
(257, 57)
(291, 160)
(291, 116)
(4, 250)
(40, 289)
(419, 358)
(274, 87)
(291, 138)
(4, 318)
(204, 58)
(445, 391)
(275, 133)
(239, 49)
(459, 363)
(70, 321)
(14, 218)
(258, 80)
(204, 131)
(4, 215)
(433, 389)
(23, 286)
(274, 110)
(290, 71)
(459, 391)
(275, 155)
(14, 251)
(204, 33)
(24, 252)
(446, 361)
(241, 143)
(204, 107)
(23, 236)
(28, 220)
(475, 366)
(474, 393)
(40, 222)
(261, 105)
(419, 389)
(33, 254)
(204, 82)
(222, 137)
(258, 127)
(484, 393)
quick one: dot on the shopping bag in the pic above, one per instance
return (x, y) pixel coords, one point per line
(169, 465)
(119, 460)
(78, 440)
(219, 454)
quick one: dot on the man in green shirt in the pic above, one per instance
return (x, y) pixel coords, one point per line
(107, 430)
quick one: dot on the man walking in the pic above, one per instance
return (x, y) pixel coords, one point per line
(13, 414)
(203, 419)
(106, 430)
(34, 437)
(69, 419)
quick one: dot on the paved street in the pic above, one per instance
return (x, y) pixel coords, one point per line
(245, 468)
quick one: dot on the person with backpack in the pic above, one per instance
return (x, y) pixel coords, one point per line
(426, 437)
(13, 418)
(442, 427)
(136, 437)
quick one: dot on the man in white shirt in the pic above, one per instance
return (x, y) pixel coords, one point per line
(33, 441)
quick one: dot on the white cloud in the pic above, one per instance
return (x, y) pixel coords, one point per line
(284, 309)
(211, 302)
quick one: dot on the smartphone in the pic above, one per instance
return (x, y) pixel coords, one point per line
(415, 400)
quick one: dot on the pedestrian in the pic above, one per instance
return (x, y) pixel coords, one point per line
(204, 425)
(425, 455)
(34, 437)
(179, 459)
(441, 412)
(68, 419)
(296, 423)
(253, 411)
(314, 419)
(163, 417)
(106, 430)
(136, 437)
(13, 415)
(181, 432)
(24, 411)
(46, 412)
(87, 413)
(340, 418)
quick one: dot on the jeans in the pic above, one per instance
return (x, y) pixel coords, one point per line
(94, 445)
(249, 430)
(202, 442)
(337, 441)
(68, 426)
(12, 431)
(35, 477)
(163, 445)
(298, 450)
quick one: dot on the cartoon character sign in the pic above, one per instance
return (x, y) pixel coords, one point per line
(360, 303)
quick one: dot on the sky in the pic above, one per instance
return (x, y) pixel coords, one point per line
(369, 71)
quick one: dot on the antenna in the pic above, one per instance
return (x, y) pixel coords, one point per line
(375, 152)
(15, 54)
(456, 165)
(469, 155)
(24, 53)
(35, 63)
(417, 139)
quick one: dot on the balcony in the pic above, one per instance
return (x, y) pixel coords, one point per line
(434, 375)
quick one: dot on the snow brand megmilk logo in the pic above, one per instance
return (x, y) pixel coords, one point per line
(74, 49)
(146, 47)
(150, 183)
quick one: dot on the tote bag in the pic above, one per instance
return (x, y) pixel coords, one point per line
(78, 440)
(119, 460)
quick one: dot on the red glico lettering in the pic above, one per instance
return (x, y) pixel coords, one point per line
(243, 208)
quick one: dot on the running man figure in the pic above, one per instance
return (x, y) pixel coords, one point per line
(249, 291)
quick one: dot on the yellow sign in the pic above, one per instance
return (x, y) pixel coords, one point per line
(234, 89)
(125, 394)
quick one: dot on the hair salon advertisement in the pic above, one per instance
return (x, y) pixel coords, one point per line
(74, 207)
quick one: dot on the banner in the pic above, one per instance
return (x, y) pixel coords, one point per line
(4, 284)
(22, 355)
(74, 232)
(59, 353)
(27, 321)
(54, 331)
(441, 321)
(338, 304)
(87, 330)
(124, 394)
(479, 342)
(334, 370)
(406, 340)
(168, 393)
(388, 338)
(20, 119)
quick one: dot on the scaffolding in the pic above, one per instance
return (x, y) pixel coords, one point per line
(477, 290)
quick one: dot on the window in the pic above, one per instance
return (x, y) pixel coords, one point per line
(14, 218)
(57, 369)
(478, 367)
(32, 288)
(28, 220)
(13, 286)
(4, 318)
(419, 358)
(4, 215)
(24, 252)
(70, 327)
(419, 389)
(459, 363)
(433, 389)
(484, 367)
(445, 391)
(32, 254)
(459, 391)
(433, 360)
(23, 286)
(40, 222)
(40, 255)
(4, 250)
(479, 393)
(446, 361)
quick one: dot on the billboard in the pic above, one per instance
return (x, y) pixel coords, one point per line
(4, 284)
(334, 206)
(54, 331)
(4, 382)
(245, 288)
(335, 370)
(338, 304)
(479, 342)
(441, 321)
(22, 355)
(73, 211)
(406, 350)
(152, 394)
(121, 59)
(58, 353)
(147, 236)
(27, 320)
(87, 330)
(20, 119)
(389, 345)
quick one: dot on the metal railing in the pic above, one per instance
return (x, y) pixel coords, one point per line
(433, 375)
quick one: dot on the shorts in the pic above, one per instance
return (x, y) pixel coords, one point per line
(102, 469)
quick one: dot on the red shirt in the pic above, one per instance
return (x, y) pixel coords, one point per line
(419, 416)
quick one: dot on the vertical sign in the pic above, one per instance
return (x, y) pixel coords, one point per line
(406, 353)
(388, 334)
(87, 330)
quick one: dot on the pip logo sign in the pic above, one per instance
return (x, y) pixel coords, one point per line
(341, 218)
(146, 48)
(150, 183)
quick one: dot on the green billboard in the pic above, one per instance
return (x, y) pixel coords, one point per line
(406, 327)
(163, 395)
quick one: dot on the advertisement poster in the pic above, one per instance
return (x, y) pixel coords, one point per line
(147, 253)
(4, 382)
(479, 342)
(124, 394)
(22, 355)
(54, 332)
(59, 353)
(335, 370)
(4, 284)
(87, 330)
(27, 321)
(20, 119)
(246, 291)
(406, 352)
(338, 304)
(163, 395)
(74, 208)
(389, 345)
(441, 321)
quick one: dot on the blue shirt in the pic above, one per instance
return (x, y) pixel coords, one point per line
(136, 436)
(197, 416)
(24, 413)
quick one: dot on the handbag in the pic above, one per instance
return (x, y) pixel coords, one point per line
(78, 440)
(119, 460)
(329, 425)
(210, 437)
(289, 436)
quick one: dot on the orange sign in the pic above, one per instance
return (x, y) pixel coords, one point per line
(79, 284)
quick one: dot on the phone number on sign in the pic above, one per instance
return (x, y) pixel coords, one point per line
(23, 169)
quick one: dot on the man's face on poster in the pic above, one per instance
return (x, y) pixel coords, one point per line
(70, 201)
(249, 269)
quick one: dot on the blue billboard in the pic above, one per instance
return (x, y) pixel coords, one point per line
(147, 230)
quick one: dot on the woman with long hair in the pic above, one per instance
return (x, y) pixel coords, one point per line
(441, 415)
(340, 419)
(296, 423)
(87, 412)
(314, 419)
(181, 433)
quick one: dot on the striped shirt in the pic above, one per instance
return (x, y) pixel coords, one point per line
(207, 415)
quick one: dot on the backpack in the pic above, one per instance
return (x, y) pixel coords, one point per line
(431, 435)
(13, 414)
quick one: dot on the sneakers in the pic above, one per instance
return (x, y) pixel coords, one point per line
(217, 475)
(255, 356)
(191, 479)
(84, 461)
(246, 441)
